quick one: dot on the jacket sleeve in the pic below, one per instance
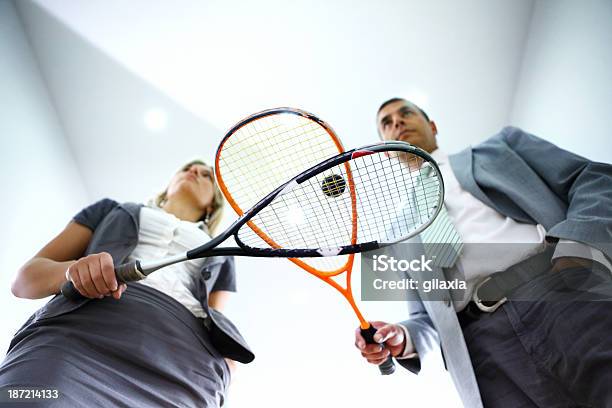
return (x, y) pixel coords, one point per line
(226, 279)
(92, 215)
(423, 335)
(582, 184)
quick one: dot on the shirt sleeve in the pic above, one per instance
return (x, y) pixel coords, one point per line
(92, 216)
(227, 276)
(567, 247)
(408, 351)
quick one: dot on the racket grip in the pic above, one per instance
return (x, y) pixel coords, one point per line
(386, 368)
(127, 272)
(70, 291)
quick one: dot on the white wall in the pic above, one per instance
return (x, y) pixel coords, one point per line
(102, 105)
(41, 188)
(565, 89)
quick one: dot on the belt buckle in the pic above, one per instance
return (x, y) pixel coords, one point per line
(476, 299)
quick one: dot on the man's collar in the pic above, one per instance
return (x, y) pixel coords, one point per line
(439, 156)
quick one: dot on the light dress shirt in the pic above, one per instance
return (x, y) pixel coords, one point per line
(484, 231)
(161, 234)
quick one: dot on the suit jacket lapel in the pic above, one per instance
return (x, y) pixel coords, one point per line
(461, 163)
(522, 192)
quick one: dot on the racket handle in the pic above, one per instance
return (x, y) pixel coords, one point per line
(386, 368)
(70, 291)
(128, 272)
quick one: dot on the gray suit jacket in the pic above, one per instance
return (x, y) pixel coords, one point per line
(529, 180)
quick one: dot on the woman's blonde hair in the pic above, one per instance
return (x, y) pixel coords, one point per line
(212, 219)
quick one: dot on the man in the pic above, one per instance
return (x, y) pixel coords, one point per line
(554, 350)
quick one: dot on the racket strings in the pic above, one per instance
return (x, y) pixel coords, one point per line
(267, 152)
(294, 215)
(274, 221)
(257, 153)
(392, 200)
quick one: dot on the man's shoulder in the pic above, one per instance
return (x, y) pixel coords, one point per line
(511, 136)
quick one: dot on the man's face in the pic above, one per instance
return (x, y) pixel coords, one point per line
(402, 120)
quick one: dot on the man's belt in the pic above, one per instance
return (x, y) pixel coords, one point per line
(493, 291)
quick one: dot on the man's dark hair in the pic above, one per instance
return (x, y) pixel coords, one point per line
(392, 100)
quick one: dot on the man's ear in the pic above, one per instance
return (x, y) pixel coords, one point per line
(433, 127)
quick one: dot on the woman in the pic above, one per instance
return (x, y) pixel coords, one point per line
(160, 342)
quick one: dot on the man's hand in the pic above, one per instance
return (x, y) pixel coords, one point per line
(390, 335)
(567, 262)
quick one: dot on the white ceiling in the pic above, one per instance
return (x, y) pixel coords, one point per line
(209, 63)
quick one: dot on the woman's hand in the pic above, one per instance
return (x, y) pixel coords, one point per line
(94, 276)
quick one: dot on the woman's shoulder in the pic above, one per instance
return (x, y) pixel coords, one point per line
(100, 207)
(107, 204)
(93, 214)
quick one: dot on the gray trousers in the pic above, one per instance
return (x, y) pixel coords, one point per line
(552, 348)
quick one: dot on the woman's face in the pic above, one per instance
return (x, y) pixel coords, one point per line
(194, 183)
